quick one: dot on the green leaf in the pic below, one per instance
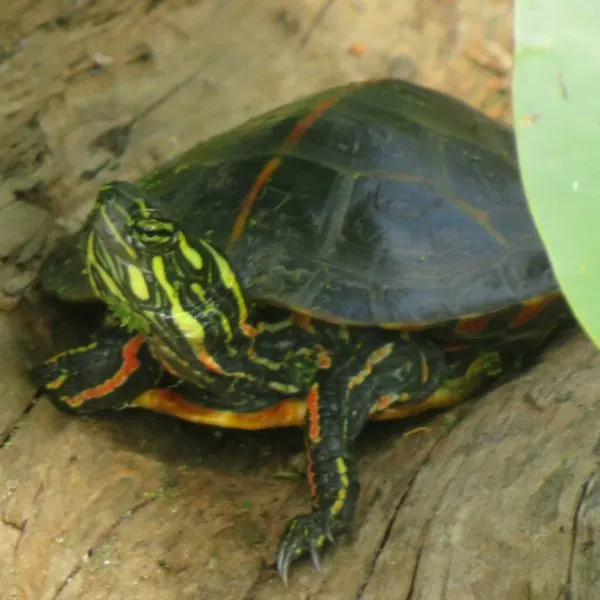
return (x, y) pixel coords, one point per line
(556, 92)
(128, 319)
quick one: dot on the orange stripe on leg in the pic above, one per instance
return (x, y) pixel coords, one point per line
(312, 402)
(310, 478)
(130, 364)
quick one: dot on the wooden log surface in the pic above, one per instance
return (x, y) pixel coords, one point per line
(501, 503)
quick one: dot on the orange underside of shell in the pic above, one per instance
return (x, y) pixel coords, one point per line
(292, 411)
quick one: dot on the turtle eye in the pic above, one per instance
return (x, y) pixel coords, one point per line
(154, 233)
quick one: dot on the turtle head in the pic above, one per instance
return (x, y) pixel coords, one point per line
(157, 279)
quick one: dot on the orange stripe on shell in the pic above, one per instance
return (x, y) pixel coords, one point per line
(304, 124)
(472, 325)
(299, 130)
(248, 202)
(530, 311)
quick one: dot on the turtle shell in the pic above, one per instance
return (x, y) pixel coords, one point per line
(374, 203)
(377, 203)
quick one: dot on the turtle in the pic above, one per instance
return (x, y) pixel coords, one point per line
(364, 253)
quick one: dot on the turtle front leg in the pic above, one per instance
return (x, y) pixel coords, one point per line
(376, 372)
(332, 476)
(107, 373)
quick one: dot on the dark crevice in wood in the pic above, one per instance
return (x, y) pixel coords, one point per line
(319, 17)
(268, 569)
(71, 574)
(15, 526)
(565, 593)
(6, 438)
(423, 537)
(446, 580)
(116, 139)
(36, 193)
(125, 516)
(415, 571)
(21, 528)
(390, 525)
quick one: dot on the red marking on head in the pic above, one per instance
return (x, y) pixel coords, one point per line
(312, 404)
(129, 365)
(209, 362)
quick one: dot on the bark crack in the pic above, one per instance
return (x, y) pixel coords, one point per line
(125, 516)
(415, 571)
(21, 528)
(268, 568)
(318, 19)
(7, 437)
(116, 139)
(388, 530)
(12, 525)
(565, 593)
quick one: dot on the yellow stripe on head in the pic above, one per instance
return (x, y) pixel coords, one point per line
(187, 324)
(108, 281)
(143, 207)
(137, 283)
(229, 281)
(115, 232)
(190, 254)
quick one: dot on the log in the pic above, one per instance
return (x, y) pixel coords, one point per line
(497, 499)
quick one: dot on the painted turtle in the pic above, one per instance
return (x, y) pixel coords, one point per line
(366, 252)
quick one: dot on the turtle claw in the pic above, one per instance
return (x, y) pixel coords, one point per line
(283, 566)
(305, 534)
(316, 559)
